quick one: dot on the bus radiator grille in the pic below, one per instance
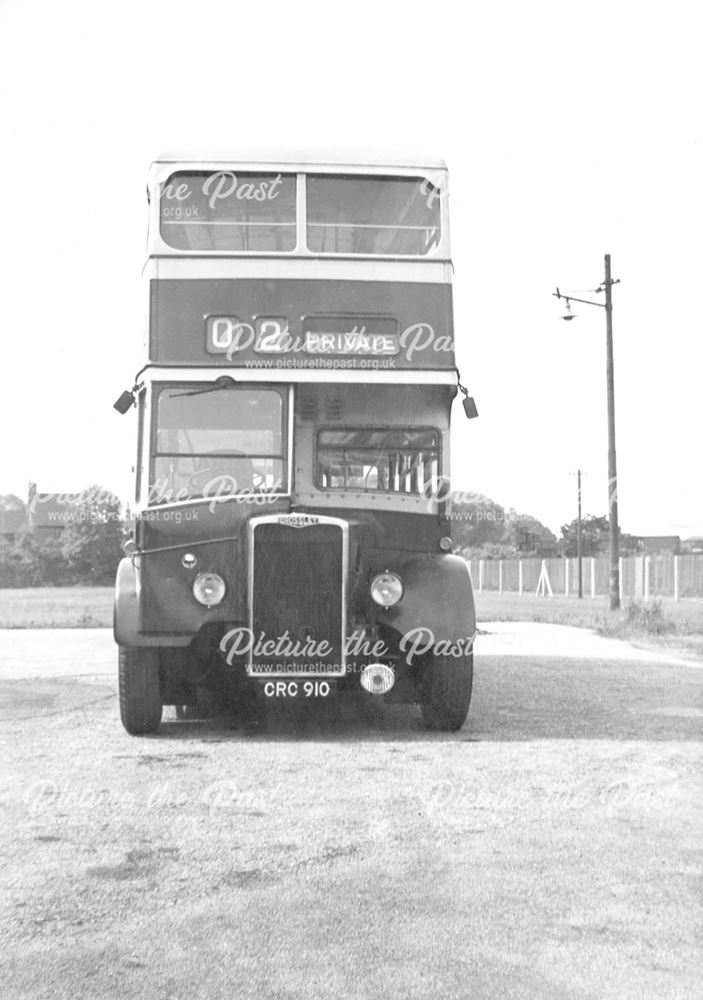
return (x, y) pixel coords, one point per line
(298, 593)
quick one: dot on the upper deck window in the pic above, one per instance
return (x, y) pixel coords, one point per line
(227, 211)
(395, 216)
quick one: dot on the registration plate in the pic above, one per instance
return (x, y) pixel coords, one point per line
(297, 689)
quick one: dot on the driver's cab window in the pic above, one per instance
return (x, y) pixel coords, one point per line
(212, 440)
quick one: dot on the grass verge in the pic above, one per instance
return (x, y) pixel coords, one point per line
(673, 625)
(676, 626)
(56, 607)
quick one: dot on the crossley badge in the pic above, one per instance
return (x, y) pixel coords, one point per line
(298, 520)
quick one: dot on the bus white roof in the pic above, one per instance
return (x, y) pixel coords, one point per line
(306, 158)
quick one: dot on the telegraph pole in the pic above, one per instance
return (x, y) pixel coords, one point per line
(612, 463)
(579, 533)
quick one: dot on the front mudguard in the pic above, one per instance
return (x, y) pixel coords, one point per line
(436, 614)
(126, 613)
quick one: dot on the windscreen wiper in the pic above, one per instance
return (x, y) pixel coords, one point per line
(222, 382)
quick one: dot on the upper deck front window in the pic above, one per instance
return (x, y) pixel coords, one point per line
(372, 215)
(228, 211)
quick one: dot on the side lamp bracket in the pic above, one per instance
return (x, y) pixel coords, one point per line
(468, 402)
(127, 399)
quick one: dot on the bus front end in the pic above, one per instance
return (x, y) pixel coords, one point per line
(292, 538)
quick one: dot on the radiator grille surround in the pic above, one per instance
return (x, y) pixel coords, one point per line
(298, 573)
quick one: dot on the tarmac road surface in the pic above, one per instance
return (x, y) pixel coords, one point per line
(551, 849)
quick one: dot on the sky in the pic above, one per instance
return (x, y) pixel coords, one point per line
(570, 130)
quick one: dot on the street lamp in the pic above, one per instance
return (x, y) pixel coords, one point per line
(607, 286)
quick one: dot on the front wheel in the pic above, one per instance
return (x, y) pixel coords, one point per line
(447, 692)
(140, 689)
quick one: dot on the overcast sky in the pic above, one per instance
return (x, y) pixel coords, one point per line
(570, 130)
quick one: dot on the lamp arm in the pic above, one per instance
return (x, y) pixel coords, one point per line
(572, 298)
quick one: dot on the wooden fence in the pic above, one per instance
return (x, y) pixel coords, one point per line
(641, 577)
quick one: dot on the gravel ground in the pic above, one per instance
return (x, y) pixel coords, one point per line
(550, 849)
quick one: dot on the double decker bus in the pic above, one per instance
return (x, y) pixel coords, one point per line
(291, 537)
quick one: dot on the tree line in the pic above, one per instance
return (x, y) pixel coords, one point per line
(88, 546)
(84, 547)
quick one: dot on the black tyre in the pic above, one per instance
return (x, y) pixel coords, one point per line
(446, 692)
(140, 689)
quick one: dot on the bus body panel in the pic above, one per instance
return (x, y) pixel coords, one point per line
(186, 313)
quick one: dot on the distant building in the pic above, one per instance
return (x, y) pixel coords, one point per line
(692, 545)
(596, 543)
(46, 515)
(49, 514)
(12, 523)
(547, 548)
(533, 539)
(654, 544)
